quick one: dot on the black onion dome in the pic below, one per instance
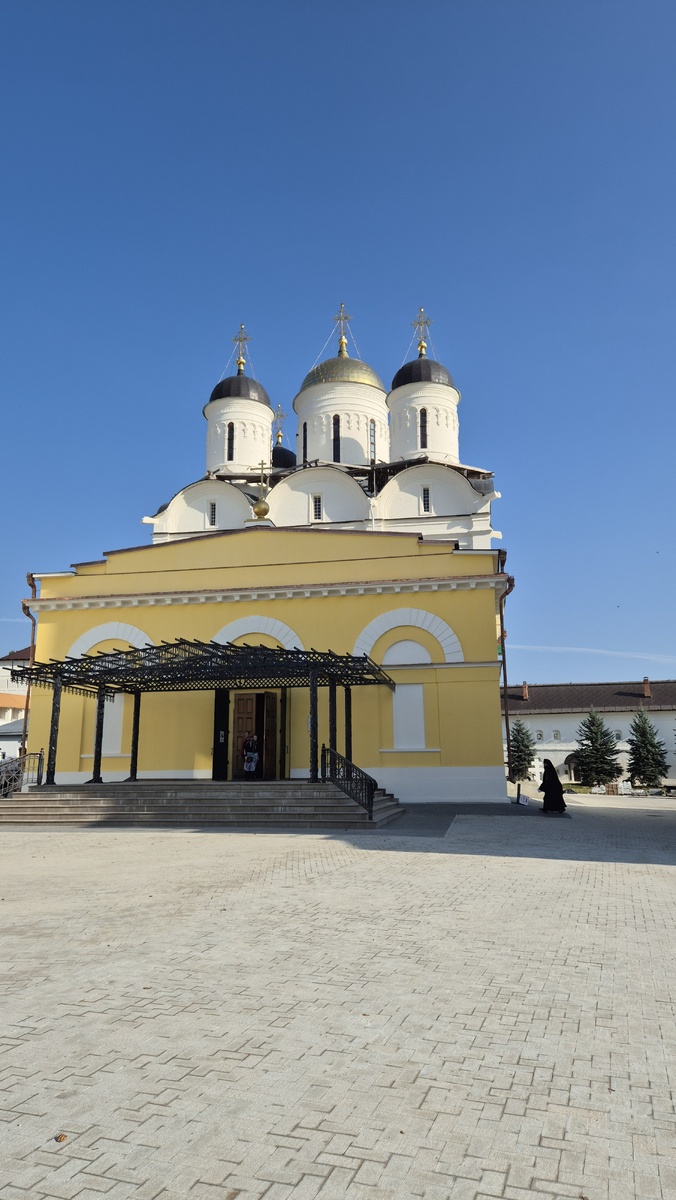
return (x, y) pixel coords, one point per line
(422, 370)
(282, 457)
(240, 387)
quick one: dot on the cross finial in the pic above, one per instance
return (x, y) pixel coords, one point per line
(341, 318)
(421, 325)
(277, 423)
(240, 339)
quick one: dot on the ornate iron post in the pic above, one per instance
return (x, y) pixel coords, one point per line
(54, 730)
(333, 739)
(135, 724)
(98, 735)
(314, 728)
(283, 721)
(348, 724)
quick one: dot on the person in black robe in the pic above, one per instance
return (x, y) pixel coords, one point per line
(553, 790)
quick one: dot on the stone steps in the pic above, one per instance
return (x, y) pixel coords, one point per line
(286, 803)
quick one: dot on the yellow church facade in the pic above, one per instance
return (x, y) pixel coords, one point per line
(426, 611)
(371, 540)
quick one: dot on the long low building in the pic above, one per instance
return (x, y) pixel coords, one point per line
(553, 712)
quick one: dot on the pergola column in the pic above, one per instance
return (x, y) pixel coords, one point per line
(314, 727)
(98, 735)
(282, 726)
(135, 723)
(54, 730)
(348, 724)
(332, 716)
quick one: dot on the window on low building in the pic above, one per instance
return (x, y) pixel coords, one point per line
(212, 513)
(618, 735)
(538, 735)
(557, 735)
(317, 508)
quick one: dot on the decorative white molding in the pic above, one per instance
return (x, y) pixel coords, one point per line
(107, 633)
(419, 618)
(273, 628)
(406, 653)
(393, 587)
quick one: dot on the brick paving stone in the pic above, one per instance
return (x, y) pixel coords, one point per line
(485, 1013)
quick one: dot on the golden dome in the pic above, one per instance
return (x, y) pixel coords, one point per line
(261, 508)
(342, 370)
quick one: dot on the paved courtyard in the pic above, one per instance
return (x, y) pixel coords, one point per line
(217, 1015)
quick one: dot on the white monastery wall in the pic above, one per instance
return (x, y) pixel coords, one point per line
(555, 735)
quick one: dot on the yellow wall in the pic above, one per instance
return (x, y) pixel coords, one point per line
(462, 709)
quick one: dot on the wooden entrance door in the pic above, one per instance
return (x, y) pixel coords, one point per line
(255, 712)
(244, 721)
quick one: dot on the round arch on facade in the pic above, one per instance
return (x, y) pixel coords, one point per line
(268, 625)
(420, 619)
(109, 632)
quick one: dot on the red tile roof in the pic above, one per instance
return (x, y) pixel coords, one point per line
(13, 655)
(580, 697)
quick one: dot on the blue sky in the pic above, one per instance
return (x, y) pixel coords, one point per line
(173, 168)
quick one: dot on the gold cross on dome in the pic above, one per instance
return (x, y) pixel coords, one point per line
(261, 485)
(278, 421)
(240, 339)
(422, 325)
(341, 318)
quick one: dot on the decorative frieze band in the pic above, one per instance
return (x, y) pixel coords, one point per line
(235, 596)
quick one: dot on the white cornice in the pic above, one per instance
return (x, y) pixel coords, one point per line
(392, 587)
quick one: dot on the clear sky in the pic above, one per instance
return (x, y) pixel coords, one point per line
(173, 167)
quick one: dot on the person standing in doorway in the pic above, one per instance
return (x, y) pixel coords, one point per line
(250, 752)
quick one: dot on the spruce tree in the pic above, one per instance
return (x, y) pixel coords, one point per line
(648, 757)
(523, 749)
(596, 751)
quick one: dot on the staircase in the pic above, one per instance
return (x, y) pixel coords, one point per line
(288, 804)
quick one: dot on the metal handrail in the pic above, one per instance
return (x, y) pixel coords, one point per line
(15, 772)
(349, 778)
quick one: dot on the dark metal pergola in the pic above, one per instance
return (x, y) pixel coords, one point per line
(189, 666)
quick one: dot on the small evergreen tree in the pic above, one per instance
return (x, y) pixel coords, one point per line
(523, 749)
(596, 752)
(648, 757)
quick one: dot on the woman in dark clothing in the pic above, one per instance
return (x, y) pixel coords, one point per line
(553, 790)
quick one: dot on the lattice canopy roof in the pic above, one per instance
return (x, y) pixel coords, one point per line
(190, 666)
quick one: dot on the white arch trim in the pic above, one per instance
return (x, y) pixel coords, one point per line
(106, 633)
(274, 629)
(417, 617)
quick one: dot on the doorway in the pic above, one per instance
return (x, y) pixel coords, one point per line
(255, 712)
(219, 769)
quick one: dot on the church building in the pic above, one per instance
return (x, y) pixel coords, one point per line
(371, 544)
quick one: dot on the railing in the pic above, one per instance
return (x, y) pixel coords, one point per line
(349, 778)
(14, 772)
